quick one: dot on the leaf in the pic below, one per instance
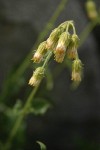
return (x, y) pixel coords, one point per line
(40, 106)
(12, 113)
(42, 145)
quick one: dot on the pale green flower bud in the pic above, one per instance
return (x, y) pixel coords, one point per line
(72, 47)
(37, 58)
(72, 53)
(60, 57)
(75, 40)
(77, 65)
(76, 70)
(53, 38)
(61, 47)
(64, 40)
(41, 51)
(76, 76)
(91, 10)
(37, 76)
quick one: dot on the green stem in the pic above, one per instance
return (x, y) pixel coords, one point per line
(74, 30)
(25, 109)
(67, 28)
(47, 59)
(18, 73)
(20, 119)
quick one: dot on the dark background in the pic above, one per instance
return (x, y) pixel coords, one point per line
(74, 121)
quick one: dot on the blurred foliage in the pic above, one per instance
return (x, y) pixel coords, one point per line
(39, 106)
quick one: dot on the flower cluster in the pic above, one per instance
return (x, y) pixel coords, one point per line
(63, 44)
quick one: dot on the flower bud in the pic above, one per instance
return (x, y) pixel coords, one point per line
(72, 48)
(53, 38)
(41, 51)
(37, 58)
(91, 10)
(75, 40)
(71, 53)
(59, 58)
(76, 76)
(77, 70)
(61, 47)
(37, 76)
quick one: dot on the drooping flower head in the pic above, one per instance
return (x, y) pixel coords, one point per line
(76, 70)
(53, 38)
(61, 47)
(72, 48)
(39, 54)
(37, 76)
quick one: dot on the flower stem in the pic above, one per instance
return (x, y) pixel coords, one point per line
(47, 59)
(25, 109)
(74, 30)
(20, 119)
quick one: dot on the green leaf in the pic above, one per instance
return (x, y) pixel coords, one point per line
(39, 106)
(42, 145)
(12, 113)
